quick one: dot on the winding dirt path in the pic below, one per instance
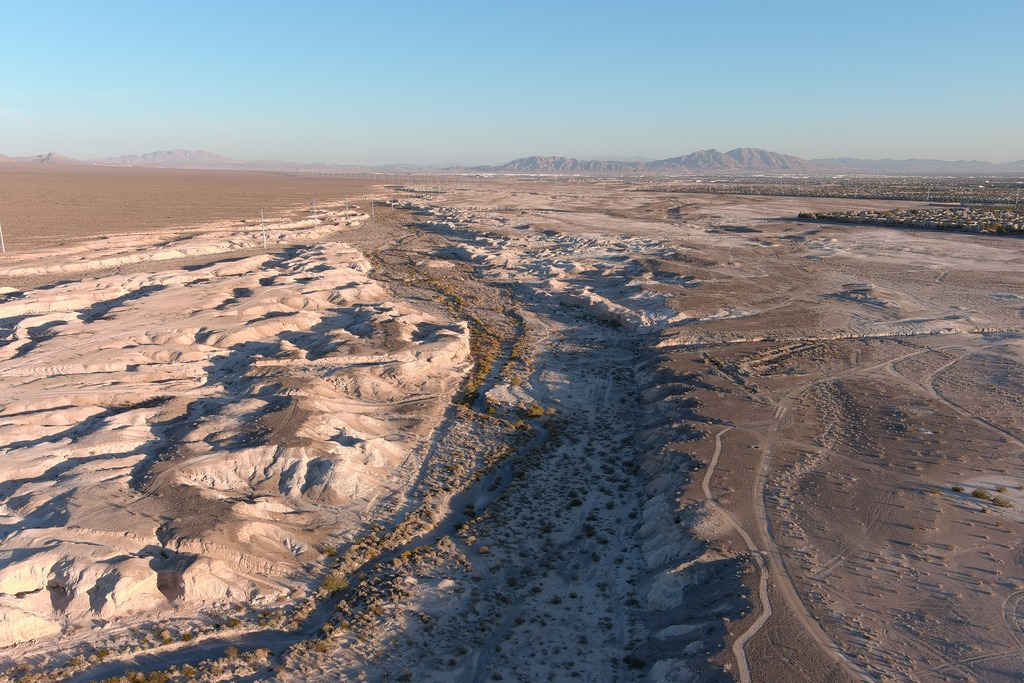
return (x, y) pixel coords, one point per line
(782, 581)
(768, 548)
(739, 645)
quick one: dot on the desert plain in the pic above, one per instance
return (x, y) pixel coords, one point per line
(505, 428)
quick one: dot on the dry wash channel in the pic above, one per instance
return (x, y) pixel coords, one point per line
(533, 432)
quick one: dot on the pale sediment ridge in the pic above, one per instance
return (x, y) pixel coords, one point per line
(179, 441)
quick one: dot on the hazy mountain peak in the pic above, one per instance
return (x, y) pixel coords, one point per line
(173, 158)
(48, 158)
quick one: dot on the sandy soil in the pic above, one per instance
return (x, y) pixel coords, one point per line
(701, 442)
(42, 206)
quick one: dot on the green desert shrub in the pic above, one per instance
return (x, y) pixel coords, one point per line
(534, 411)
(336, 581)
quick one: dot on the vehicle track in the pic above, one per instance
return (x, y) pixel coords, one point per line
(782, 581)
(739, 645)
(1012, 616)
(929, 386)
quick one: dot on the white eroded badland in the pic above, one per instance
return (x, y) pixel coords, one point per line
(187, 437)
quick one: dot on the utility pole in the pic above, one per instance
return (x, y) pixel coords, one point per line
(263, 226)
(3, 247)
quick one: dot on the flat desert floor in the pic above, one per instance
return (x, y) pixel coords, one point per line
(506, 429)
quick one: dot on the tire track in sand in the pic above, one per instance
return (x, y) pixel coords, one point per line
(739, 645)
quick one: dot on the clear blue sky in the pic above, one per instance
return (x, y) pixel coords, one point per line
(485, 82)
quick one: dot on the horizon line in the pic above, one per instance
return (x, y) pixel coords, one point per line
(625, 160)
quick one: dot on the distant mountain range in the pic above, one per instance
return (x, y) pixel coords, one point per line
(192, 159)
(749, 160)
(743, 160)
(50, 158)
(173, 158)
